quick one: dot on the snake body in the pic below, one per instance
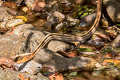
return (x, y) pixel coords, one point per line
(65, 37)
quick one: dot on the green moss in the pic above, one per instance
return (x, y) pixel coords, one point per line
(85, 10)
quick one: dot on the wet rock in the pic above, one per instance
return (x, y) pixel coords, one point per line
(8, 74)
(112, 7)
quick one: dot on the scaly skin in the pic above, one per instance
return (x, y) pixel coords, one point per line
(65, 37)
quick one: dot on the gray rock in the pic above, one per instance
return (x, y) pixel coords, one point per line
(36, 5)
(22, 29)
(9, 74)
(41, 77)
(87, 21)
(116, 42)
(4, 13)
(10, 44)
(112, 7)
(30, 67)
(35, 37)
(54, 62)
(29, 3)
(25, 39)
(58, 46)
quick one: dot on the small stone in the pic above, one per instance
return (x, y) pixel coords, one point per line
(25, 9)
(87, 21)
(56, 46)
(79, 1)
(116, 42)
(105, 23)
(112, 8)
(30, 67)
(36, 5)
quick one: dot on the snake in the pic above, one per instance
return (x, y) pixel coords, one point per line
(65, 37)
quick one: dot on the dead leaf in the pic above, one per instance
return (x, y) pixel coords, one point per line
(104, 23)
(11, 31)
(38, 5)
(10, 5)
(72, 54)
(111, 55)
(69, 54)
(22, 17)
(101, 35)
(56, 76)
(115, 62)
(87, 46)
(6, 62)
(21, 76)
(25, 58)
(111, 31)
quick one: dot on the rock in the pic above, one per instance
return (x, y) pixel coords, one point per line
(20, 29)
(36, 5)
(95, 41)
(39, 23)
(41, 77)
(35, 37)
(54, 19)
(11, 43)
(93, 2)
(8, 74)
(9, 4)
(112, 8)
(54, 62)
(25, 39)
(87, 21)
(4, 14)
(79, 1)
(58, 46)
(116, 42)
(30, 67)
